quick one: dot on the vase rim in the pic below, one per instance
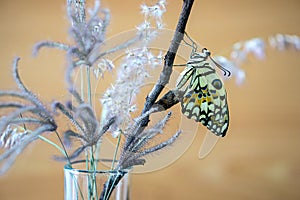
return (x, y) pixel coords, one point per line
(68, 167)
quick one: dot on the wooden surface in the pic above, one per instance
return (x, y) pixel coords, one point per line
(259, 159)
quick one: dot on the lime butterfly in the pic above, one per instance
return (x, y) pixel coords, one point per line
(204, 98)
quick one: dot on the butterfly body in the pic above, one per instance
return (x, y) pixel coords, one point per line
(204, 98)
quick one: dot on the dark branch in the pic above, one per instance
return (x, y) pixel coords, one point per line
(170, 99)
(169, 60)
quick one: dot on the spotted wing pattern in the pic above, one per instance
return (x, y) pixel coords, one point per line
(204, 98)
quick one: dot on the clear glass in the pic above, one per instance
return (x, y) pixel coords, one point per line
(81, 184)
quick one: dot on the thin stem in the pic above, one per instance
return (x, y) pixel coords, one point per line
(92, 159)
(97, 150)
(64, 149)
(78, 187)
(93, 166)
(88, 73)
(94, 181)
(81, 83)
(87, 168)
(116, 152)
(53, 144)
(47, 140)
(87, 160)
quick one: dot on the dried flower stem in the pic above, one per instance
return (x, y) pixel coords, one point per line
(116, 151)
(88, 73)
(53, 144)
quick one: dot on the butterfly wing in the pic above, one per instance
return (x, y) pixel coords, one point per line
(184, 76)
(205, 101)
(219, 120)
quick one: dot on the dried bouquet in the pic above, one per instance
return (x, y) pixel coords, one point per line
(25, 118)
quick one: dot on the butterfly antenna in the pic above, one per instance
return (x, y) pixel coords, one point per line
(186, 43)
(226, 71)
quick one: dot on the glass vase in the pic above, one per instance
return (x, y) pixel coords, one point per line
(82, 184)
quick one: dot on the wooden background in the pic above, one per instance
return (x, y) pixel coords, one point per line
(259, 159)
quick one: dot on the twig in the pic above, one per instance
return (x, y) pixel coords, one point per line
(169, 60)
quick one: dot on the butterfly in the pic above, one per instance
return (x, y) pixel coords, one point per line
(205, 98)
